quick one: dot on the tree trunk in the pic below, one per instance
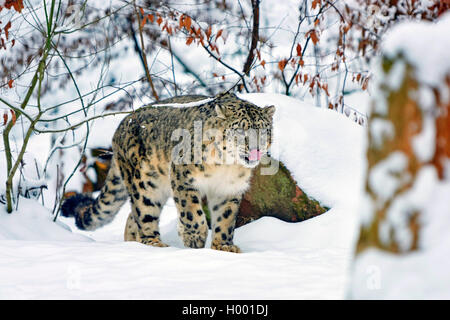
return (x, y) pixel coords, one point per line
(399, 148)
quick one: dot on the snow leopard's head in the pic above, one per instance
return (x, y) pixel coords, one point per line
(246, 125)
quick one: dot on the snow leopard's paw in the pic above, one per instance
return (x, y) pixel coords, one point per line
(193, 237)
(155, 242)
(226, 247)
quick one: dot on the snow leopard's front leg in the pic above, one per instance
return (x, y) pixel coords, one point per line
(192, 225)
(223, 220)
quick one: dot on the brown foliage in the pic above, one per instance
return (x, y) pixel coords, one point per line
(16, 4)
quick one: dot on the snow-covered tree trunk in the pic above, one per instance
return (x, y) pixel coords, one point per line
(406, 205)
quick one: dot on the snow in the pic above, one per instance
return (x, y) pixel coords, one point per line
(380, 129)
(33, 223)
(423, 143)
(312, 140)
(184, 105)
(414, 200)
(275, 268)
(395, 77)
(388, 176)
(422, 274)
(280, 260)
(418, 275)
(412, 40)
(30, 178)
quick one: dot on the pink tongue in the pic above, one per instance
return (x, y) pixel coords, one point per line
(254, 155)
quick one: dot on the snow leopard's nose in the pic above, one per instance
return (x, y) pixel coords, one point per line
(255, 155)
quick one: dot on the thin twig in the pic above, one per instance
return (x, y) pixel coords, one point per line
(188, 70)
(289, 84)
(141, 50)
(72, 127)
(173, 67)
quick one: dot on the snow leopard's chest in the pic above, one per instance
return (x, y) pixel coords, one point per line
(225, 180)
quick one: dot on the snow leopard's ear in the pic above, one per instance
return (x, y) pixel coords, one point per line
(220, 112)
(270, 111)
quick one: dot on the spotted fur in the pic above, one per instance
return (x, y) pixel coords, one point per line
(143, 169)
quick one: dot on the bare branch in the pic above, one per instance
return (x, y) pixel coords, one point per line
(255, 38)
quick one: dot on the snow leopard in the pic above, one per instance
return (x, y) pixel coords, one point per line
(146, 169)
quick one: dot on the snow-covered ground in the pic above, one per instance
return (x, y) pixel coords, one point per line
(309, 260)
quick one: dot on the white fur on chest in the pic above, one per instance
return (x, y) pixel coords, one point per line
(223, 181)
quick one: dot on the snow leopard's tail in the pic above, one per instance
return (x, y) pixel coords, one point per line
(90, 213)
